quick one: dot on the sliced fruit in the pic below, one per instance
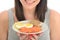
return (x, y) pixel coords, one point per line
(36, 29)
(30, 30)
(28, 25)
(19, 25)
(24, 29)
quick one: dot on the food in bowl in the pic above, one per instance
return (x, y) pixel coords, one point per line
(28, 26)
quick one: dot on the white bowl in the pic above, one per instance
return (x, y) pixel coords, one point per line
(43, 29)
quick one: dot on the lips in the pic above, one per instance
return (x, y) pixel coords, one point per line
(30, 1)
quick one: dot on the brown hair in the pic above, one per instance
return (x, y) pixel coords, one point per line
(40, 10)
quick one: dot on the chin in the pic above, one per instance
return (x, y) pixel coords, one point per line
(29, 3)
(30, 7)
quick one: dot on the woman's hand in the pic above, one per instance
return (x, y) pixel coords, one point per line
(35, 36)
(22, 36)
(28, 37)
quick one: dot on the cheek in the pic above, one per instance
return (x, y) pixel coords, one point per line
(37, 2)
(23, 2)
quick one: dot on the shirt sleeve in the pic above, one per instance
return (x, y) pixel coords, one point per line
(54, 5)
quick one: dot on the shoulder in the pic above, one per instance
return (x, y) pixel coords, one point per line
(4, 16)
(3, 20)
(3, 23)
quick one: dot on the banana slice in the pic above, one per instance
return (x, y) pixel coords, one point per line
(19, 25)
(28, 25)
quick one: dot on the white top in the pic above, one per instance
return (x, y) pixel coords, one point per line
(54, 5)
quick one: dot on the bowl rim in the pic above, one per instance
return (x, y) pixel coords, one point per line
(28, 33)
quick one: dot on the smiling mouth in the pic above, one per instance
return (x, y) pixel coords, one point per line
(29, 1)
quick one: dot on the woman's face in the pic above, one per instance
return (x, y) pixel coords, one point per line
(29, 3)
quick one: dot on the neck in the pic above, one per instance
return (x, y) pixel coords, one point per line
(29, 13)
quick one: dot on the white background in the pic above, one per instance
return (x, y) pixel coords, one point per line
(7, 4)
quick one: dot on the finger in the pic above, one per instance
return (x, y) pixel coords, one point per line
(18, 34)
(23, 37)
(26, 38)
(22, 34)
(39, 34)
(35, 37)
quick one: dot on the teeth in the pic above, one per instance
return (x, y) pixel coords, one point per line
(29, 1)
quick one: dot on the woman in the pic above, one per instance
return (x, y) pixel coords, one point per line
(24, 10)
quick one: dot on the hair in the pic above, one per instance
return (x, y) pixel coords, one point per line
(40, 10)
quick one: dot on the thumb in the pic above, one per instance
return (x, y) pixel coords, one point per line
(18, 34)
